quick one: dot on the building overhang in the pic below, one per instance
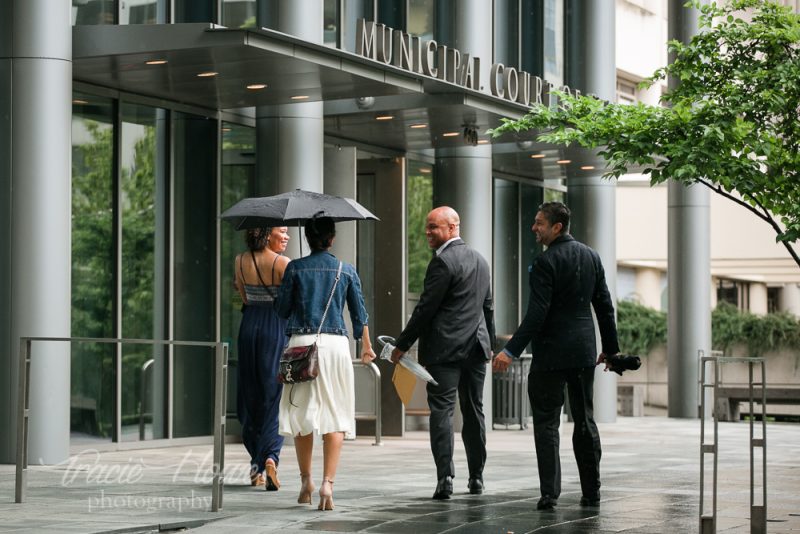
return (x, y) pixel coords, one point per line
(427, 113)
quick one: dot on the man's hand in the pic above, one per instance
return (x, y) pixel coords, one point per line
(397, 354)
(501, 362)
(602, 359)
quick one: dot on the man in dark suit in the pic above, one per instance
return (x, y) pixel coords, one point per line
(566, 280)
(454, 322)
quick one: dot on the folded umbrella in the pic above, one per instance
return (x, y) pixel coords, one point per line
(405, 361)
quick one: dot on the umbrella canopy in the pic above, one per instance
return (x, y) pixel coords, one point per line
(294, 207)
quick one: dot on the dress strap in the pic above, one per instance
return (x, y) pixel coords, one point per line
(272, 276)
(255, 264)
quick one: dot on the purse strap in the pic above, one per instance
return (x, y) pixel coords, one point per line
(330, 298)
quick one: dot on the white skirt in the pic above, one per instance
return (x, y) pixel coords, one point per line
(327, 403)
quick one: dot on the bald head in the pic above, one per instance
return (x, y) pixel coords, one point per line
(442, 225)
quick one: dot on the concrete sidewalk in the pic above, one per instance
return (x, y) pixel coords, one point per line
(650, 474)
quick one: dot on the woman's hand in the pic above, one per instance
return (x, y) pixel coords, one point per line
(367, 355)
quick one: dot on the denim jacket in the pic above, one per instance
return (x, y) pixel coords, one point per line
(304, 291)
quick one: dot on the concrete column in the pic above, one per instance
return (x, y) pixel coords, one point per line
(758, 298)
(463, 177)
(648, 287)
(789, 299)
(688, 268)
(35, 194)
(591, 68)
(289, 138)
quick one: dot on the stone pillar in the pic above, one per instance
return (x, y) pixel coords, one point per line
(789, 299)
(289, 137)
(463, 178)
(758, 298)
(688, 268)
(592, 69)
(35, 236)
(648, 287)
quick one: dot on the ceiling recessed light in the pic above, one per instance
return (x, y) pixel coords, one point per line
(483, 141)
(209, 74)
(564, 161)
(418, 126)
(156, 62)
(77, 101)
(537, 156)
(300, 97)
(384, 117)
(451, 134)
(425, 170)
(226, 129)
(587, 167)
(256, 86)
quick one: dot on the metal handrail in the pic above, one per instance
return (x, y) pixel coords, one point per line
(378, 411)
(220, 399)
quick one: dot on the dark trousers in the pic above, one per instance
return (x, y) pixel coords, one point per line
(546, 392)
(466, 378)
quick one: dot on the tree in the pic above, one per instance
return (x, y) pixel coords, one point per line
(732, 121)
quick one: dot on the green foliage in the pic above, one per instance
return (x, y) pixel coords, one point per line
(732, 125)
(640, 329)
(759, 333)
(420, 202)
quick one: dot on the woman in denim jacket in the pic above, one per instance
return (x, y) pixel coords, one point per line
(325, 405)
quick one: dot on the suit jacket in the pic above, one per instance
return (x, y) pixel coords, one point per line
(566, 279)
(455, 311)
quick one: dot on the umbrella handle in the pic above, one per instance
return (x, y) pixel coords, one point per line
(385, 340)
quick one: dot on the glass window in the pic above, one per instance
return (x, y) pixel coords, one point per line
(420, 18)
(194, 295)
(553, 45)
(143, 12)
(419, 195)
(92, 394)
(506, 252)
(93, 12)
(238, 182)
(506, 32)
(239, 13)
(392, 13)
(141, 259)
(331, 22)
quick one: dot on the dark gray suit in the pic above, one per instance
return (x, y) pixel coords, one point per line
(454, 322)
(567, 281)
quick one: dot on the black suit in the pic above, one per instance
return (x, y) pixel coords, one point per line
(567, 280)
(454, 322)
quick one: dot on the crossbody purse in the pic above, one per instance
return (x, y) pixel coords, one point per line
(301, 363)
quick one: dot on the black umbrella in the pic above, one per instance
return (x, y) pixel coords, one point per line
(295, 207)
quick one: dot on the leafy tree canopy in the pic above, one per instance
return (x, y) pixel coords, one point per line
(732, 124)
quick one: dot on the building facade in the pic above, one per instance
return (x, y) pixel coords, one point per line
(127, 127)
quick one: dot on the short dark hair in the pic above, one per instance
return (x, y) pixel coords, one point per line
(257, 238)
(320, 232)
(556, 212)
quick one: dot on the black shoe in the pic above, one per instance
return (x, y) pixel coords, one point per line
(475, 485)
(547, 502)
(444, 488)
(593, 501)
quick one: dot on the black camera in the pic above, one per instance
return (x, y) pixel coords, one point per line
(620, 363)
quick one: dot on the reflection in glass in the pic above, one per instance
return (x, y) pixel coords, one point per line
(138, 173)
(554, 41)
(331, 23)
(507, 228)
(239, 13)
(194, 295)
(419, 202)
(143, 12)
(531, 198)
(420, 18)
(92, 395)
(85, 13)
(238, 182)
(506, 32)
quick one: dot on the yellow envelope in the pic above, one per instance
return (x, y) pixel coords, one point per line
(404, 382)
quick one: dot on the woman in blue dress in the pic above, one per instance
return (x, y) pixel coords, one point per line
(262, 338)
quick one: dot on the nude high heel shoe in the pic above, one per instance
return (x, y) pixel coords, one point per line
(306, 489)
(326, 495)
(271, 475)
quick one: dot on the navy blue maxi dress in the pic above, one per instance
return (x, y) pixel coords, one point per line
(262, 338)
